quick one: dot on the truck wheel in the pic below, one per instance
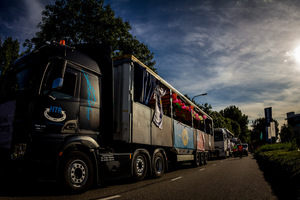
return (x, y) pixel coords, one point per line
(225, 154)
(78, 172)
(202, 158)
(158, 165)
(196, 161)
(205, 158)
(140, 167)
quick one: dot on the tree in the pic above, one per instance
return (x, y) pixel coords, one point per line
(287, 133)
(206, 108)
(259, 129)
(219, 120)
(89, 21)
(235, 128)
(258, 132)
(222, 122)
(9, 52)
(235, 114)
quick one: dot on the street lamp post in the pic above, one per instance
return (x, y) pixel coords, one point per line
(199, 96)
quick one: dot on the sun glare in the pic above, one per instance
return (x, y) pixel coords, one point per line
(297, 54)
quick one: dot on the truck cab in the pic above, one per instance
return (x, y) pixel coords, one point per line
(221, 143)
(51, 106)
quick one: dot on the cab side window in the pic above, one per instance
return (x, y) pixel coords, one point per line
(68, 88)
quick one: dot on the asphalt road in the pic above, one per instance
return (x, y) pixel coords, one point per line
(233, 178)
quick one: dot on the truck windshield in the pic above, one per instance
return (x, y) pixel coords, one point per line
(218, 135)
(20, 79)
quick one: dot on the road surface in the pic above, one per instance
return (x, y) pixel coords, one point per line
(232, 178)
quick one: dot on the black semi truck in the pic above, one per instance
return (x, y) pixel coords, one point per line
(74, 115)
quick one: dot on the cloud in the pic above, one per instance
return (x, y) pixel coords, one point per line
(245, 58)
(34, 10)
(20, 17)
(240, 52)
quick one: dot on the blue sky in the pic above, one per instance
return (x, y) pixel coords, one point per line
(244, 53)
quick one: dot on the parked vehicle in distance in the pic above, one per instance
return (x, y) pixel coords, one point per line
(242, 149)
(222, 142)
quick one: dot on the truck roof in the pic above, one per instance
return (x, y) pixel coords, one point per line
(82, 54)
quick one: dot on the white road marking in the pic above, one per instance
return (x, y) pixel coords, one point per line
(112, 197)
(201, 169)
(214, 164)
(175, 179)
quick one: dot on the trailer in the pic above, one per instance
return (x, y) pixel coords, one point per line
(74, 115)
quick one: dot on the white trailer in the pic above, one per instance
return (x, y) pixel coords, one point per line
(153, 117)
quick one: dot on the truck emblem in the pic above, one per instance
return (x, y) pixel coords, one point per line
(58, 114)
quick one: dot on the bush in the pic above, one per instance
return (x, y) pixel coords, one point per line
(281, 161)
(293, 145)
(279, 146)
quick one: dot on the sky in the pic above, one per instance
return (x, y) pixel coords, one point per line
(241, 52)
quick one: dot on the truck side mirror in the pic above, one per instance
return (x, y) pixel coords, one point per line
(58, 82)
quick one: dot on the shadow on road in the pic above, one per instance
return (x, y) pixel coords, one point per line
(20, 184)
(22, 187)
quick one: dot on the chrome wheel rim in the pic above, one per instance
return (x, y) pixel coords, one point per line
(78, 173)
(140, 165)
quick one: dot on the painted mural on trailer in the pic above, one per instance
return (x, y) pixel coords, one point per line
(200, 141)
(184, 137)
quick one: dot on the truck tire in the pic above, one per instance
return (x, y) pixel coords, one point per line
(196, 161)
(140, 166)
(202, 158)
(158, 165)
(227, 154)
(78, 172)
(205, 158)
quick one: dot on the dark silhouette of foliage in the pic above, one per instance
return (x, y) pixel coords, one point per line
(89, 21)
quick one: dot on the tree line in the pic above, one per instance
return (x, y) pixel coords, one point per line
(259, 135)
(236, 122)
(93, 21)
(230, 118)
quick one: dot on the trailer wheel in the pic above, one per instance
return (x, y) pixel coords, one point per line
(227, 154)
(197, 160)
(205, 158)
(140, 166)
(158, 165)
(202, 159)
(78, 172)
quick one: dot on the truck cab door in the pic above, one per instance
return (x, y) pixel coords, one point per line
(89, 110)
(57, 108)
